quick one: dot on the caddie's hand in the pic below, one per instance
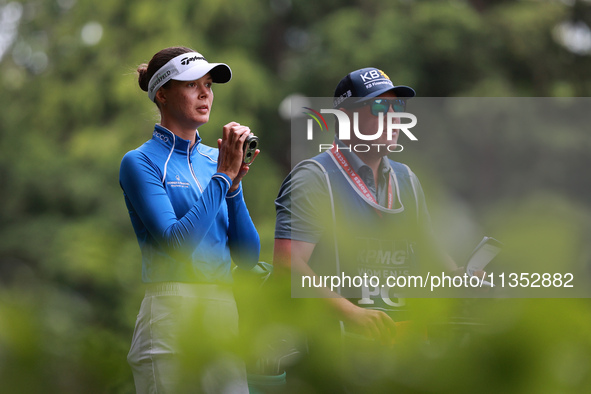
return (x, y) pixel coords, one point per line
(372, 324)
(461, 271)
(481, 275)
(231, 147)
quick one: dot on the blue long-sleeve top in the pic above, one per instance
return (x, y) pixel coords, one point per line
(189, 228)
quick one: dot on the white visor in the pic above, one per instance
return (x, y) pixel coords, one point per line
(188, 67)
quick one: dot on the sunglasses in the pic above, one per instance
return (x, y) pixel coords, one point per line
(379, 106)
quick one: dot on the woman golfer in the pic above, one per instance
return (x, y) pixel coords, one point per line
(187, 209)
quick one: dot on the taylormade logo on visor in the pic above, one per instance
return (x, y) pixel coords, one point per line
(393, 123)
(188, 60)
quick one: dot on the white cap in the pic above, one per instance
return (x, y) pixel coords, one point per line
(188, 67)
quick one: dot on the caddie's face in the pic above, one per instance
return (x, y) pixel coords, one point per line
(369, 124)
(189, 102)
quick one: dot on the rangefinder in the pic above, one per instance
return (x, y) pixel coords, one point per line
(250, 146)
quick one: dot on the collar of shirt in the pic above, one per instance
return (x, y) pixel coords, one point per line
(172, 141)
(366, 174)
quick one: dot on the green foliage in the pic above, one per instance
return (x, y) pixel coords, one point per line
(70, 109)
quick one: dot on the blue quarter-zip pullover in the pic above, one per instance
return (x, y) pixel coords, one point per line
(188, 226)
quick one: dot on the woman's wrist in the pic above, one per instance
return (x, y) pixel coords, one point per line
(234, 190)
(227, 180)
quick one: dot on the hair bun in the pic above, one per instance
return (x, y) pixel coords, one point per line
(143, 81)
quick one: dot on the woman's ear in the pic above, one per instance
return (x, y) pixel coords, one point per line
(161, 96)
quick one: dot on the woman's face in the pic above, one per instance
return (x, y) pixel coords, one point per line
(189, 102)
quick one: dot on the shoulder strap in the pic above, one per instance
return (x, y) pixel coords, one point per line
(404, 172)
(317, 161)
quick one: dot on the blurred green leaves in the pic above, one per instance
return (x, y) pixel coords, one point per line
(70, 108)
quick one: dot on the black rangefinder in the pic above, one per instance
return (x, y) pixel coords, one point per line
(250, 146)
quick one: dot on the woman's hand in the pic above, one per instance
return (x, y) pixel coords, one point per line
(231, 156)
(243, 170)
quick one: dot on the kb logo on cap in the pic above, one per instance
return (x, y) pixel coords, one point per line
(372, 75)
(375, 77)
